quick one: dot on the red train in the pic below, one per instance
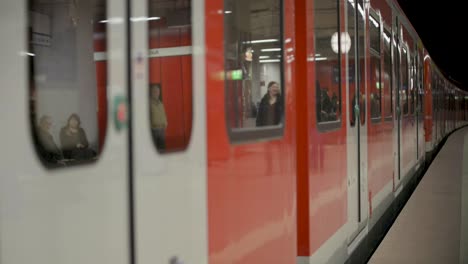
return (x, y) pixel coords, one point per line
(212, 132)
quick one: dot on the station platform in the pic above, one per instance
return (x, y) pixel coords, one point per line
(433, 225)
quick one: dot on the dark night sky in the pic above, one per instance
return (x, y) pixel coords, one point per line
(442, 25)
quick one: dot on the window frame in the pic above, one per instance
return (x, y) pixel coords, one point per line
(239, 136)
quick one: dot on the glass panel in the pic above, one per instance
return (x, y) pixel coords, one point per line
(253, 64)
(375, 75)
(387, 76)
(361, 22)
(374, 34)
(412, 85)
(404, 81)
(170, 73)
(327, 60)
(375, 88)
(356, 62)
(67, 80)
(352, 61)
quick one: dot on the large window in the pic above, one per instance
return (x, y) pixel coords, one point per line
(387, 76)
(375, 71)
(170, 73)
(253, 68)
(413, 84)
(327, 61)
(404, 81)
(67, 80)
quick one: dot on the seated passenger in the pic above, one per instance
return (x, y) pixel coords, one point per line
(270, 109)
(74, 141)
(46, 146)
(158, 117)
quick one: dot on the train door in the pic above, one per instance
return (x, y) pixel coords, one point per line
(357, 127)
(168, 131)
(396, 46)
(64, 192)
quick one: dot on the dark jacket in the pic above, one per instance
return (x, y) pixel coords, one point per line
(262, 118)
(69, 142)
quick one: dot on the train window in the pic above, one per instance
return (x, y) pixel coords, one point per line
(170, 74)
(420, 89)
(412, 86)
(387, 76)
(327, 61)
(375, 71)
(404, 81)
(254, 84)
(356, 68)
(67, 81)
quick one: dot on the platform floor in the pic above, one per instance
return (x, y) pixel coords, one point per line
(433, 225)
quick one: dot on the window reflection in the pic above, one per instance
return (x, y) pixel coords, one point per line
(328, 46)
(170, 73)
(253, 64)
(67, 80)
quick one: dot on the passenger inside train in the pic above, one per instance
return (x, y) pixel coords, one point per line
(270, 108)
(46, 146)
(73, 140)
(158, 117)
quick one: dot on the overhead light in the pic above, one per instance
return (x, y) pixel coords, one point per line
(287, 40)
(138, 19)
(316, 59)
(261, 41)
(386, 37)
(112, 20)
(227, 12)
(376, 24)
(264, 57)
(266, 61)
(25, 53)
(273, 49)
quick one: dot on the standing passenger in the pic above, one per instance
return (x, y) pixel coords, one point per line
(158, 117)
(271, 107)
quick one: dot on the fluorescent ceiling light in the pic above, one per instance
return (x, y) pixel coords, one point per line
(273, 49)
(227, 12)
(273, 60)
(264, 57)
(317, 59)
(261, 41)
(137, 19)
(374, 21)
(112, 20)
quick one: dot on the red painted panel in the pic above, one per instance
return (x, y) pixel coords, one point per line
(172, 94)
(101, 79)
(327, 162)
(251, 186)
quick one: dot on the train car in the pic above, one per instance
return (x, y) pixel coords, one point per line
(235, 131)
